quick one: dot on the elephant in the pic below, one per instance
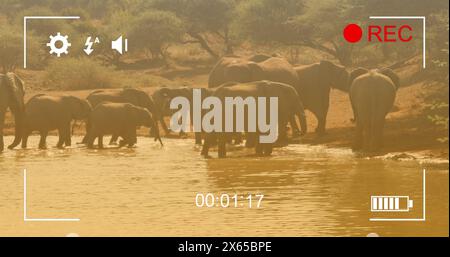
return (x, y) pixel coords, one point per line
(372, 95)
(289, 104)
(315, 82)
(127, 95)
(12, 92)
(44, 113)
(119, 119)
(255, 68)
(163, 96)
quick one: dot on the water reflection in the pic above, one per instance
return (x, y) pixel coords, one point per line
(150, 190)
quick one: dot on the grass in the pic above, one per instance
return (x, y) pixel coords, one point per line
(79, 73)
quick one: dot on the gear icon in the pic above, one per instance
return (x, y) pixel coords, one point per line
(64, 44)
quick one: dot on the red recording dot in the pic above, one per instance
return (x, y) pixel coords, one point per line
(352, 33)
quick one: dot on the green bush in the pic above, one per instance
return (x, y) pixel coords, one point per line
(79, 73)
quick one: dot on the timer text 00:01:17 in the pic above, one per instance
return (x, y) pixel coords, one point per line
(210, 200)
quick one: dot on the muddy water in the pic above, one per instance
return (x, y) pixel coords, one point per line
(150, 191)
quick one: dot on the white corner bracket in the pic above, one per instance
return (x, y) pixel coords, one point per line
(25, 218)
(422, 18)
(406, 219)
(26, 18)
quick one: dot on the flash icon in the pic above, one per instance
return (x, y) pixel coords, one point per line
(88, 50)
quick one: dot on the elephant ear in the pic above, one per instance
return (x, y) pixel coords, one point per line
(15, 86)
(135, 111)
(78, 107)
(325, 73)
(391, 74)
(356, 73)
(19, 83)
(256, 71)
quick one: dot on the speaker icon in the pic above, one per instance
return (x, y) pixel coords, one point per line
(120, 45)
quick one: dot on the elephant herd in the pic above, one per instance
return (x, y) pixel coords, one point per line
(119, 113)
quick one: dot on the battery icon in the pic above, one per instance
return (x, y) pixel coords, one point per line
(391, 203)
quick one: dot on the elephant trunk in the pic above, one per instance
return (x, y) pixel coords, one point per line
(75, 125)
(156, 132)
(19, 128)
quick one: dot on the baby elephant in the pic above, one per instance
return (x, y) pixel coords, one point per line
(118, 119)
(44, 113)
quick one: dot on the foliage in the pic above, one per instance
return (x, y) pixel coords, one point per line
(203, 19)
(440, 120)
(267, 20)
(78, 73)
(224, 26)
(439, 67)
(154, 30)
(10, 48)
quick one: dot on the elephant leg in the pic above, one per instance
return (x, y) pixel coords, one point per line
(359, 135)
(68, 140)
(2, 122)
(222, 151)
(367, 136)
(131, 138)
(90, 136)
(282, 134)
(198, 138)
(100, 141)
(377, 134)
(267, 149)
(237, 138)
(123, 142)
(64, 134)
(295, 130)
(89, 139)
(85, 138)
(25, 136)
(321, 116)
(209, 137)
(321, 123)
(250, 141)
(90, 142)
(113, 140)
(61, 135)
(67, 135)
(258, 148)
(133, 142)
(43, 140)
(323, 113)
(353, 110)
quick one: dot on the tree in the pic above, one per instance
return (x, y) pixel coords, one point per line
(267, 20)
(202, 19)
(315, 24)
(321, 26)
(154, 30)
(10, 48)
